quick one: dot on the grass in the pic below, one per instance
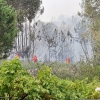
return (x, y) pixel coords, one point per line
(63, 70)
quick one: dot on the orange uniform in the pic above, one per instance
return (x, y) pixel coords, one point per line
(35, 59)
(67, 60)
(16, 56)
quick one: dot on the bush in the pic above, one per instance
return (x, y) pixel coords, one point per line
(16, 83)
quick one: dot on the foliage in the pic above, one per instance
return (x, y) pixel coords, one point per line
(60, 89)
(91, 11)
(15, 83)
(8, 29)
(73, 72)
(25, 8)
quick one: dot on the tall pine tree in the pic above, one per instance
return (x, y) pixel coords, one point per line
(8, 29)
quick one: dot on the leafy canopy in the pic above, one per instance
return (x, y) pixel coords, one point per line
(25, 8)
(8, 29)
(91, 11)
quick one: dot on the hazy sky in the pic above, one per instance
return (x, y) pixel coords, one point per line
(54, 8)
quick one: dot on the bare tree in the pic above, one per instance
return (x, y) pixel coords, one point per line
(83, 38)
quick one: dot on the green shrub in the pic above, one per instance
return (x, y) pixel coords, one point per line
(60, 89)
(15, 82)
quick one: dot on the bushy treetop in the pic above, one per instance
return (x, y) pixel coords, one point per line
(8, 28)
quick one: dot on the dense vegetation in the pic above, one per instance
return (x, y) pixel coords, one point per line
(55, 81)
(8, 30)
(17, 83)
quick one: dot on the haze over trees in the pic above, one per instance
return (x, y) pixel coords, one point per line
(53, 41)
(13, 14)
(26, 12)
(59, 38)
(91, 14)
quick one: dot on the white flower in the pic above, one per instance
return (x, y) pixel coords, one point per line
(97, 89)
